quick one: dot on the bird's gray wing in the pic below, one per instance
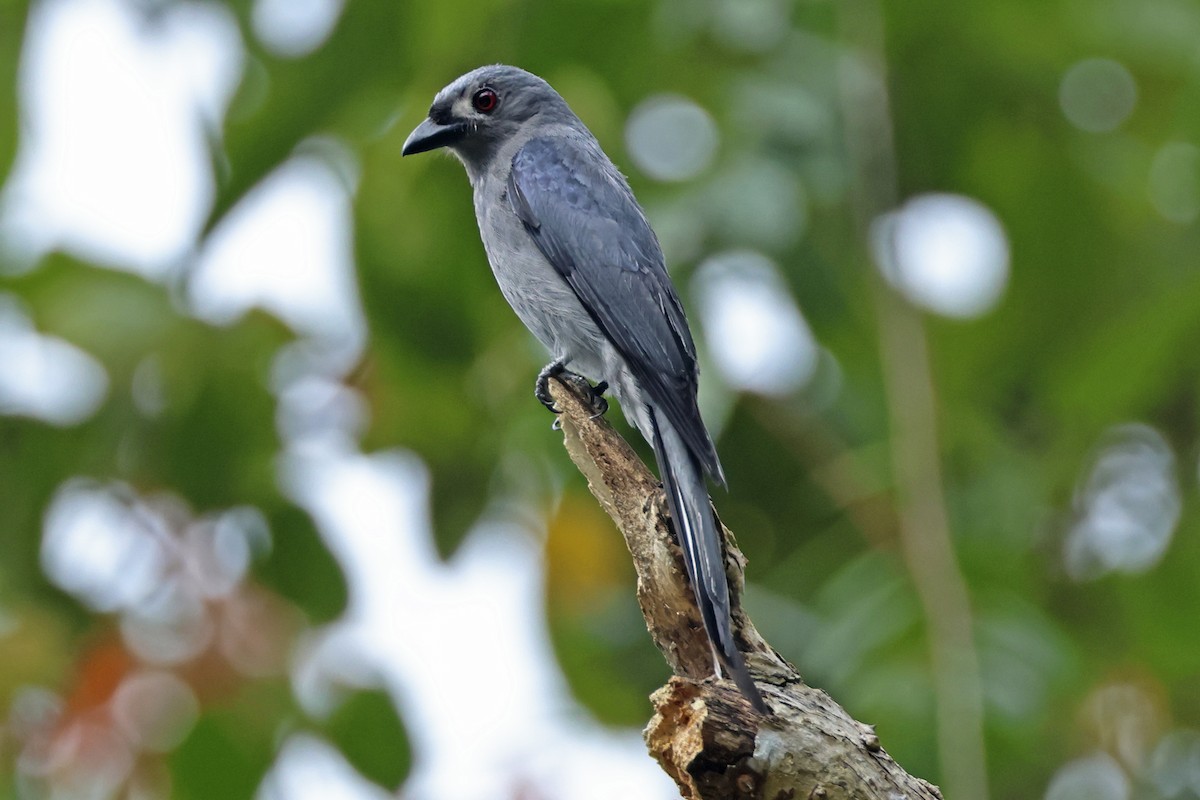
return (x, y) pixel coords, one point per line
(585, 220)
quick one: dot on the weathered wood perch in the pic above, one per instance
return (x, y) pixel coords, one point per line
(704, 734)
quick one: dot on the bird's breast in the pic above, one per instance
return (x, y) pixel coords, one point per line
(539, 295)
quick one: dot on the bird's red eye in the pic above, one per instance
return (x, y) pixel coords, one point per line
(485, 101)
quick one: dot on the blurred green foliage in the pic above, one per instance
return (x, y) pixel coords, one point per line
(367, 731)
(1098, 327)
(235, 738)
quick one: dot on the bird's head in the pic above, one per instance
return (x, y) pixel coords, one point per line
(483, 110)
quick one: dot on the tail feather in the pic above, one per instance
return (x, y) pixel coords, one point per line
(700, 539)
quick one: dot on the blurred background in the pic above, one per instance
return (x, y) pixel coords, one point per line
(280, 517)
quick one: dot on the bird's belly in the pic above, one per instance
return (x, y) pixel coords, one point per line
(543, 300)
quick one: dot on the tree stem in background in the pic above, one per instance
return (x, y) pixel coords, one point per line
(925, 538)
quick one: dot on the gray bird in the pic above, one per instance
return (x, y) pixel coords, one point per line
(578, 262)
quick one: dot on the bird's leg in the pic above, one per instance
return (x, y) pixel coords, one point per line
(593, 395)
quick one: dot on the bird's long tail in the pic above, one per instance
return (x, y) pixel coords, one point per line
(700, 539)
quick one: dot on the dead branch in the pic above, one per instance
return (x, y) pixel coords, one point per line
(704, 734)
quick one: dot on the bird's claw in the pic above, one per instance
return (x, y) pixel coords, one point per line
(592, 395)
(599, 406)
(597, 401)
(541, 389)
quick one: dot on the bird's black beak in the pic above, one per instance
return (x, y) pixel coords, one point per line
(430, 135)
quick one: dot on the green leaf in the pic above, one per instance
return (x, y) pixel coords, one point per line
(300, 566)
(13, 14)
(222, 757)
(609, 661)
(368, 732)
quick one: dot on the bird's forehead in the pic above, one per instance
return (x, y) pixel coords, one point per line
(455, 88)
(497, 75)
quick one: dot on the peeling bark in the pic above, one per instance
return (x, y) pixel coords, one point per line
(704, 734)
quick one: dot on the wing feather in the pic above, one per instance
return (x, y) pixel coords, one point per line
(586, 222)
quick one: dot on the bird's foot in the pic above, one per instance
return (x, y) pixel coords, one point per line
(541, 389)
(595, 397)
(592, 395)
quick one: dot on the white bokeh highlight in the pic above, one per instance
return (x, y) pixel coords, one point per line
(945, 253)
(155, 709)
(752, 26)
(1094, 777)
(98, 548)
(309, 768)
(1174, 766)
(1127, 506)
(433, 623)
(113, 161)
(294, 28)
(1174, 182)
(755, 334)
(286, 247)
(671, 138)
(1097, 94)
(754, 203)
(45, 377)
